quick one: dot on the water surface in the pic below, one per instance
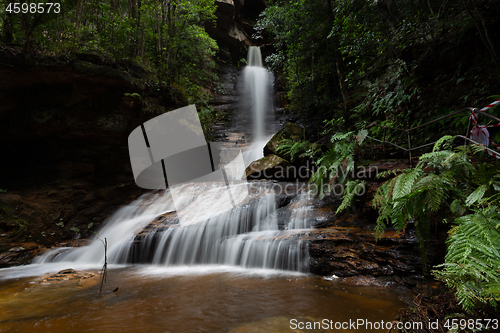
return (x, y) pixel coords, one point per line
(187, 299)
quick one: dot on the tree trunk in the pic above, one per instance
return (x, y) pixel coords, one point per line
(133, 9)
(143, 32)
(8, 33)
(78, 19)
(28, 30)
(133, 15)
(389, 13)
(112, 10)
(339, 66)
(482, 28)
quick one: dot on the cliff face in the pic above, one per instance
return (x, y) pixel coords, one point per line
(64, 125)
(234, 26)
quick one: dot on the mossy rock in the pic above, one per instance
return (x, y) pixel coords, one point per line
(268, 167)
(290, 131)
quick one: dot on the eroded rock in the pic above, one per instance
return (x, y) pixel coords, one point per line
(268, 167)
(354, 251)
(67, 275)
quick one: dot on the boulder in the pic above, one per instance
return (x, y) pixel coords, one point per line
(268, 167)
(289, 131)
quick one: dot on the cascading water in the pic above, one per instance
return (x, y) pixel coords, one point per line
(257, 84)
(252, 235)
(256, 80)
(256, 234)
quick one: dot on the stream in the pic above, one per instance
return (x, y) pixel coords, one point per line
(187, 299)
(240, 269)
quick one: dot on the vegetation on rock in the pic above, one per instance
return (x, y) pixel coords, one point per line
(166, 39)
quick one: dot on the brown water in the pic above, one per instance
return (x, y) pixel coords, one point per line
(188, 300)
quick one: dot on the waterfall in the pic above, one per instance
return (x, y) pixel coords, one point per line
(257, 84)
(256, 234)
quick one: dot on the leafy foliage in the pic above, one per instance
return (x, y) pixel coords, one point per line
(336, 164)
(464, 182)
(166, 38)
(352, 189)
(366, 61)
(415, 194)
(473, 258)
(304, 56)
(299, 148)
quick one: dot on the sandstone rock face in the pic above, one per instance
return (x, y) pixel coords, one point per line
(268, 167)
(225, 13)
(234, 28)
(238, 4)
(19, 255)
(63, 131)
(353, 251)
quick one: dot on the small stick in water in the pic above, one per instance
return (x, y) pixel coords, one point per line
(104, 272)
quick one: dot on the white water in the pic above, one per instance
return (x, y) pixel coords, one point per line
(119, 230)
(247, 236)
(257, 84)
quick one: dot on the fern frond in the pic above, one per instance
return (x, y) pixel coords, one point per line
(477, 195)
(457, 207)
(473, 258)
(340, 136)
(444, 141)
(386, 173)
(352, 188)
(436, 158)
(293, 148)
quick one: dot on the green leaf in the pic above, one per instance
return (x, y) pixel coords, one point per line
(477, 195)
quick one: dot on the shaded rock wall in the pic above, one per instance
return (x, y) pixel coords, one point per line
(64, 126)
(234, 25)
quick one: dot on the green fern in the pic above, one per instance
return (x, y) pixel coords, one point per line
(351, 190)
(341, 136)
(472, 261)
(443, 143)
(441, 178)
(337, 163)
(295, 149)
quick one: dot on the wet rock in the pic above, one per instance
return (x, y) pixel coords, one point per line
(70, 275)
(225, 13)
(347, 252)
(21, 254)
(230, 29)
(10, 199)
(17, 249)
(324, 211)
(268, 167)
(290, 131)
(53, 193)
(284, 199)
